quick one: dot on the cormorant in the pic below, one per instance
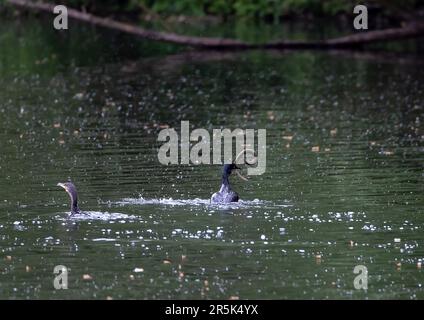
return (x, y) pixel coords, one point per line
(72, 191)
(226, 194)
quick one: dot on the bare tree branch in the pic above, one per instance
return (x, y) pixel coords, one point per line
(359, 39)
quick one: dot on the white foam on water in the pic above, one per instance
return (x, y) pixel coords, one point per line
(163, 201)
(199, 202)
(104, 239)
(97, 215)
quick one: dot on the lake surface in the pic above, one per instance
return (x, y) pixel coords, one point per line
(343, 185)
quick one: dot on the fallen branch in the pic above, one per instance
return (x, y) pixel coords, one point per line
(350, 41)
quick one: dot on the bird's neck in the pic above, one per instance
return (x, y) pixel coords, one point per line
(225, 183)
(74, 205)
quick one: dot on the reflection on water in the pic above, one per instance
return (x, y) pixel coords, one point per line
(343, 186)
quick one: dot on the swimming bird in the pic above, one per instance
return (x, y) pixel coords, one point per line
(226, 194)
(72, 191)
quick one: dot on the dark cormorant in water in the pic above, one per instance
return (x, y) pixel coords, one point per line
(226, 194)
(72, 191)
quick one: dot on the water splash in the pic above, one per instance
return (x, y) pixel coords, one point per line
(97, 215)
(256, 203)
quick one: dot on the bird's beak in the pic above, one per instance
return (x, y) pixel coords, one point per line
(61, 185)
(241, 176)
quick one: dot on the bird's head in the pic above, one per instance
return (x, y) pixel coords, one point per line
(69, 187)
(72, 191)
(228, 168)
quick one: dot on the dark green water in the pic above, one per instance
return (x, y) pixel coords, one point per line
(90, 104)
